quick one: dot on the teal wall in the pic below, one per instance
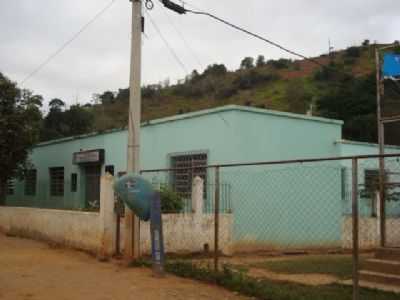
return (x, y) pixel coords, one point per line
(159, 139)
(291, 205)
(283, 136)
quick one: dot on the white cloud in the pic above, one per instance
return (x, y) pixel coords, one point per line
(99, 59)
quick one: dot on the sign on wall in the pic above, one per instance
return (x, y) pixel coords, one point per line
(85, 157)
(391, 65)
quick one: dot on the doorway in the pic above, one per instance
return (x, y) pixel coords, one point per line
(92, 186)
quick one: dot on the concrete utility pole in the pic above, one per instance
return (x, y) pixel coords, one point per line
(132, 232)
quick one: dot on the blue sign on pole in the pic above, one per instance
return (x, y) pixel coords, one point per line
(391, 65)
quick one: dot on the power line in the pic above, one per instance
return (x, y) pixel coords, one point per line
(172, 51)
(180, 34)
(69, 41)
(255, 35)
(182, 10)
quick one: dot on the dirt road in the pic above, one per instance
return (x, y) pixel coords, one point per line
(31, 270)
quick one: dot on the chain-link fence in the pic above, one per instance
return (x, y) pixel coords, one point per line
(311, 222)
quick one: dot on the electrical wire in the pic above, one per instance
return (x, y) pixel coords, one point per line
(182, 37)
(172, 51)
(69, 41)
(255, 35)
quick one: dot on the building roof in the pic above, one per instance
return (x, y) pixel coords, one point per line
(355, 143)
(200, 113)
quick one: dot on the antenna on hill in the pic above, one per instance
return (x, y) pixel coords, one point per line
(330, 48)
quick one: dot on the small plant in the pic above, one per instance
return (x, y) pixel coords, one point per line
(93, 206)
(171, 202)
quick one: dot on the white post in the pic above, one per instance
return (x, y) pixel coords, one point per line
(132, 224)
(107, 217)
(197, 196)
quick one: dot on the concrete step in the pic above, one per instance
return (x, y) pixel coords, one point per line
(382, 266)
(388, 254)
(382, 278)
(374, 286)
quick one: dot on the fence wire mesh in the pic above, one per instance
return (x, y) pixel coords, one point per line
(287, 222)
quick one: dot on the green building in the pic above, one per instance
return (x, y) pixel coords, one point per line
(66, 172)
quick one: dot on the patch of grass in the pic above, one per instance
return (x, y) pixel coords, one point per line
(272, 290)
(338, 266)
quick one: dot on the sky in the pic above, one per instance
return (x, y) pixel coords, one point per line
(98, 60)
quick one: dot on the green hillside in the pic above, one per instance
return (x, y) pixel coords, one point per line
(344, 89)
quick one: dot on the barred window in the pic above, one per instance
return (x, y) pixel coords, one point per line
(57, 181)
(344, 183)
(30, 182)
(10, 187)
(74, 182)
(182, 179)
(371, 180)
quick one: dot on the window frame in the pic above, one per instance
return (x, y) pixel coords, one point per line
(30, 186)
(74, 182)
(186, 187)
(57, 188)
(10, 190)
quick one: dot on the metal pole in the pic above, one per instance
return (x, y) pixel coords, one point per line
(118, 235)
(355, 229)
(381, 139)
(131, 221)
(216, 220)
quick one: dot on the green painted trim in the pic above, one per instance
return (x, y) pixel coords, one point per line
(348, 142)
(198, 114)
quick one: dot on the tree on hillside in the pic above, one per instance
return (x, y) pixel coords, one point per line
(260, 61)
(60, 123)
(20, 119)
(297, 96)
(351, 99)
(56, 104)
(107, 98)
(247, 63)
(78, 120)
(215, 70)
(122, 95)
(53, 123)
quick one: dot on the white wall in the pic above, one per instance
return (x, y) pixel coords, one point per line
(96, 232)
(188, 233)
(369, 235)
(74, 229)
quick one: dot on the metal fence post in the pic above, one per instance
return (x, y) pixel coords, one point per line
(355, 229)
(382, 200)
(216, 219)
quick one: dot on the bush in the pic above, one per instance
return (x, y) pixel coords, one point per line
(353, 52)
(226, 91)
(251, 78)
(279, 64)
(171, 202)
